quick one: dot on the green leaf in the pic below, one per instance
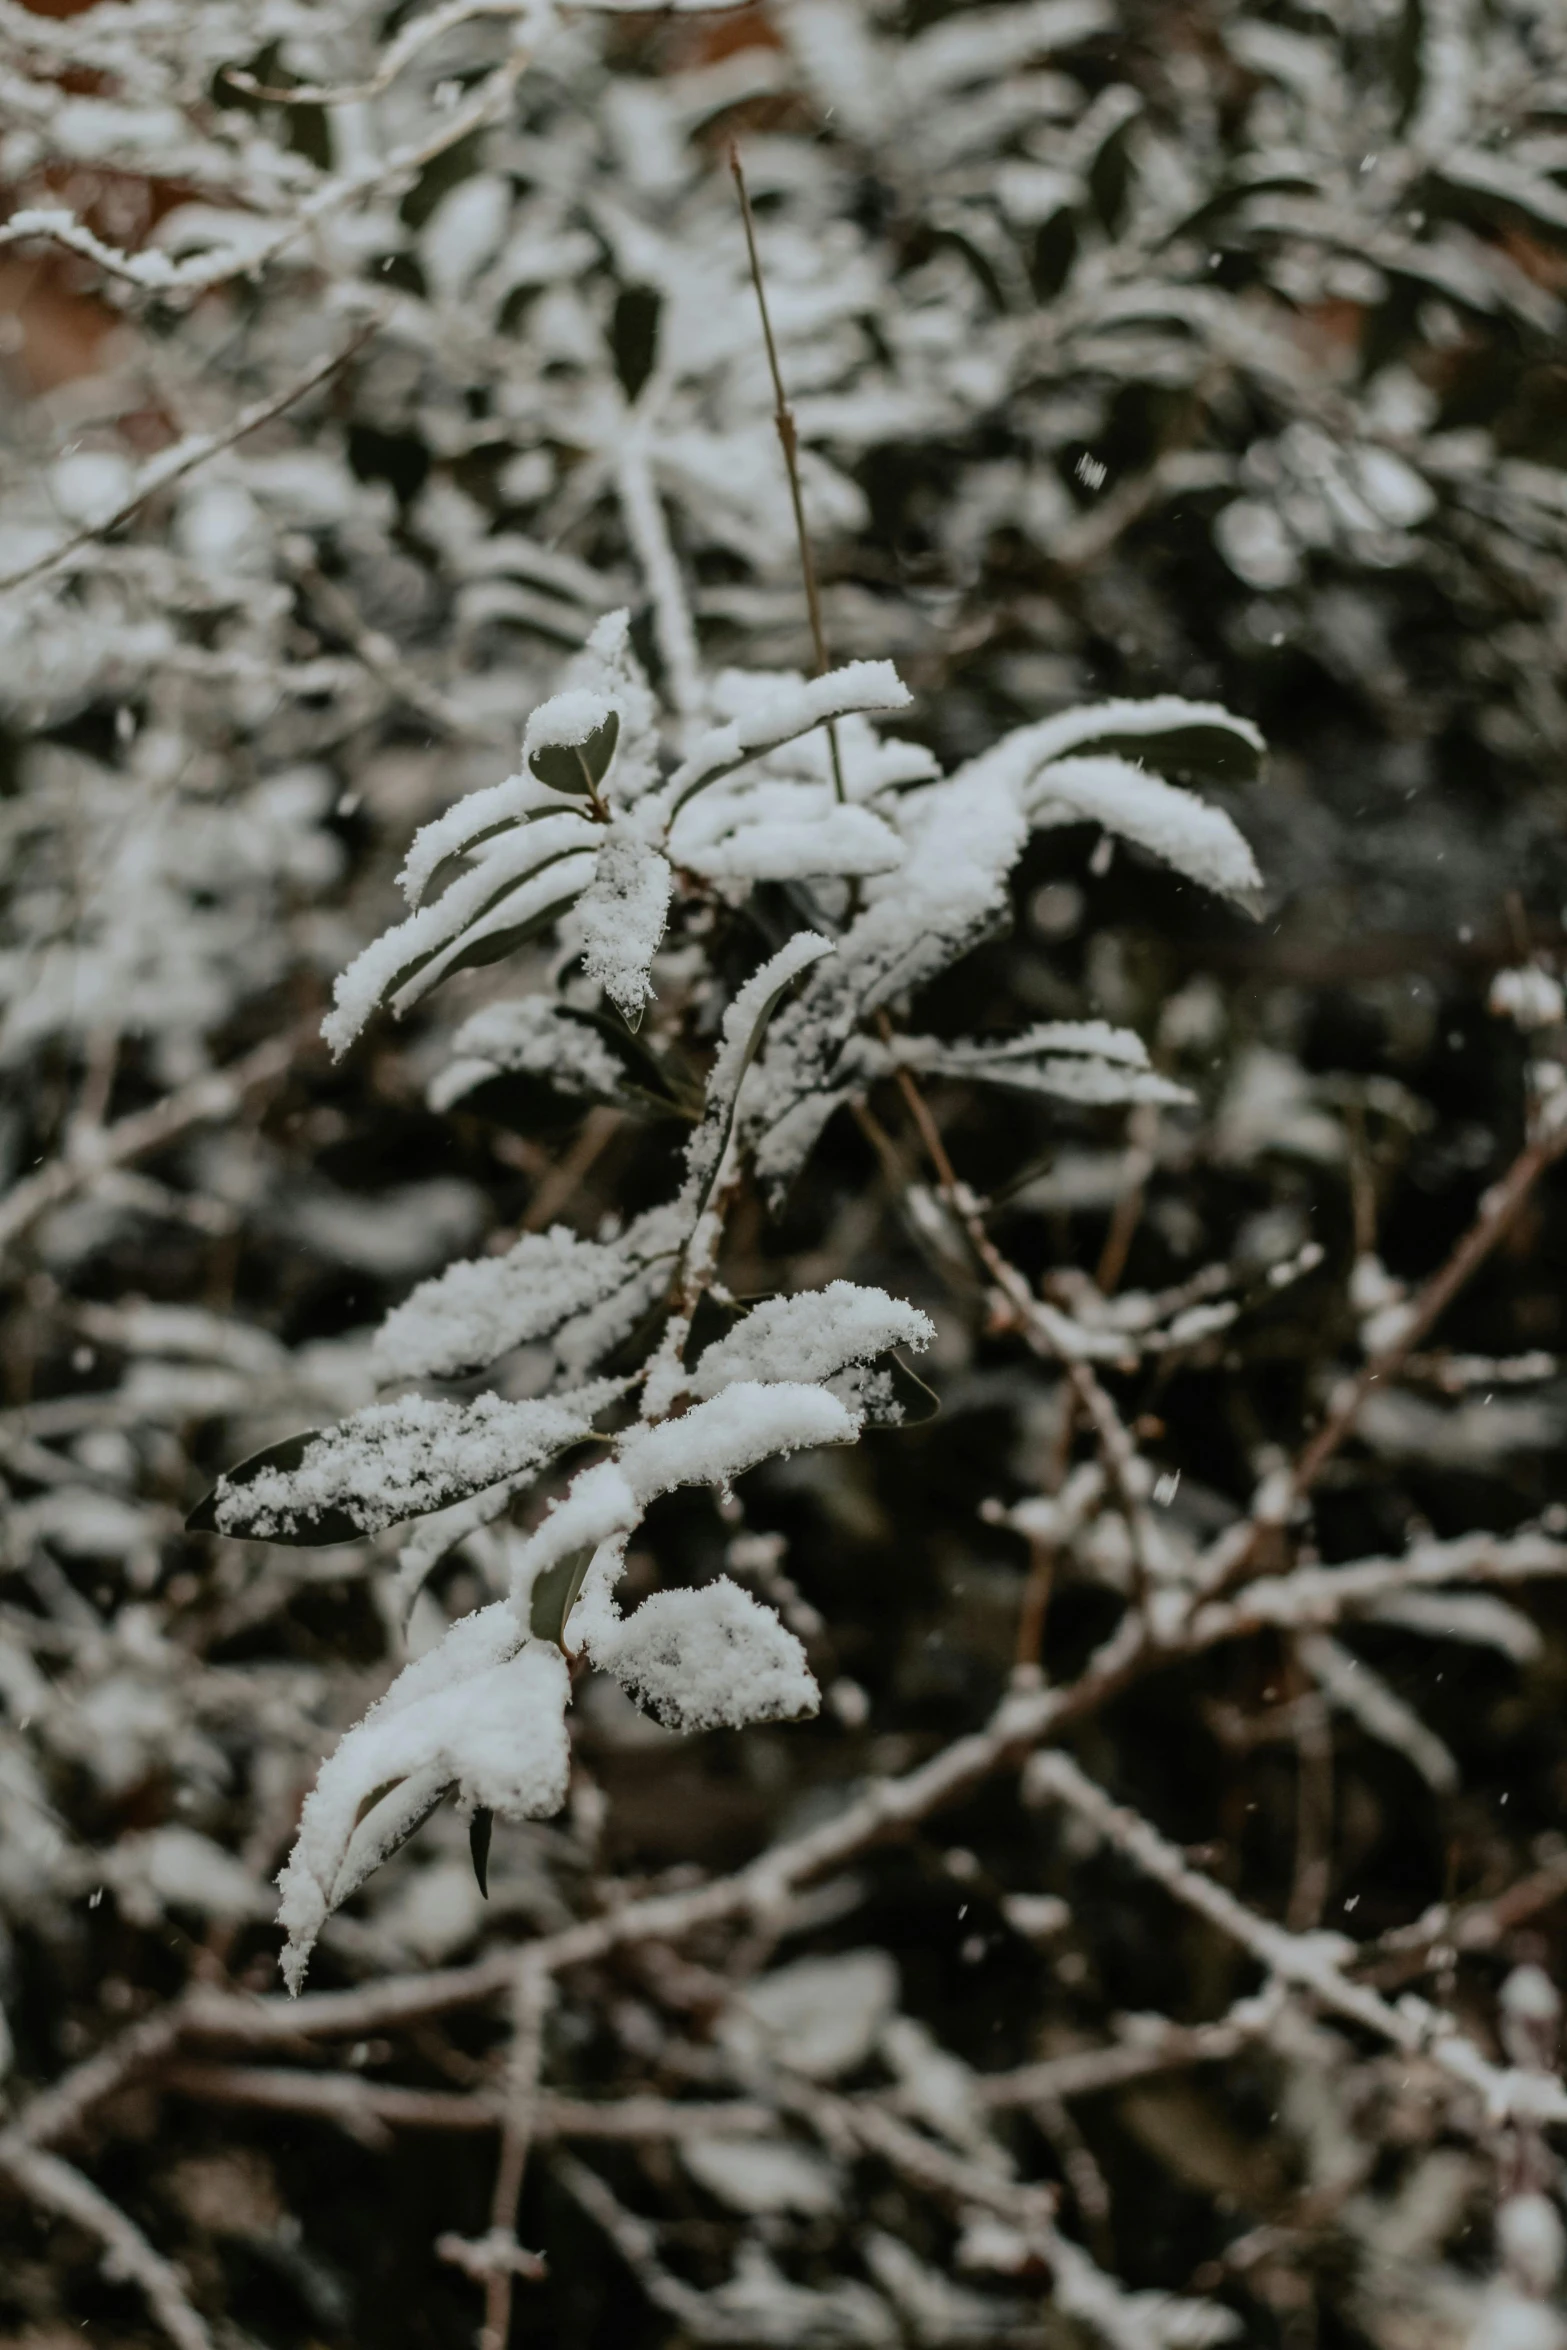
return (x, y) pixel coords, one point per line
(480, 1829)
(534, 1101)
(428, 1803)
(310, 1529)
(1216, 754)
(555, 1595)
(455, 863)
(752, 1047)
(494, 947)
(508, 888)
(577, 768)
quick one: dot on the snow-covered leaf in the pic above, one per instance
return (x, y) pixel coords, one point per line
(1171, 824)
(482, 1714)
(530, 1062)
(811, 1336)
(708, 1659)
(620, 919)
(391, 1461)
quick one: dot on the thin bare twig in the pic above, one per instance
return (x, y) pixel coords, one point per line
(59, 2187)
(1235, 1551)
(1312, 1962)
(172, 464)
(532, 1992)
(216, 1094)
(789, 441)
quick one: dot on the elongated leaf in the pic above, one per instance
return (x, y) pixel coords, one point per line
(492, 946)
(745, 1025)
(554, 1594)
(391, 1462)
(310, 1528)
(480, 1829)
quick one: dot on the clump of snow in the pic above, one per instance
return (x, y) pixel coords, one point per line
(720, 1439)
(1531, 2241)
(709, 1659)
(811, 1337)
(763, 2174)
(397, 1460)
(821, 2016)
(620, 919)
(483, 1713)
(1528, 996)
(568, 720)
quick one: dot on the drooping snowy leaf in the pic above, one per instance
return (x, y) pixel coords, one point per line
(1077, 1061)
(483, 1714)
(811, 1336)
(709, 1658)
(392, 1461)
(962, 840)
(792, 710)
(524, 879)
(1165, 732)
(527, 1062)
(781, 831)
(713, 1443)
(620, 919)
(745, 1024)
(1173, 825)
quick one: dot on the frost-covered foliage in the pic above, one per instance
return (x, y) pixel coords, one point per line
(523, 1024)
(791, 1372)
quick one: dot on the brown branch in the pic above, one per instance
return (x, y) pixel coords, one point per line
(532, 1992)
(56, 2186)
(173, 464)
(217, 1094)
(370, 2110)
(1235, 1551)
(1165, 2047)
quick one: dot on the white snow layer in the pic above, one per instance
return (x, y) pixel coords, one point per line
(793, 709)
(620, 919)
(534, 1036)
(523, 872)
(1198, 839)
(811, 1336)
(706, 1659)
(397, 1460)
(481, 1307)
(483, 1712)
(712, 1444)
